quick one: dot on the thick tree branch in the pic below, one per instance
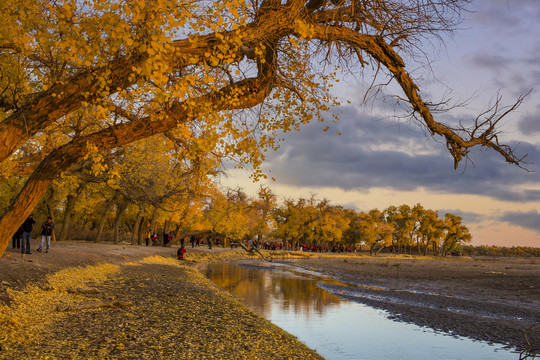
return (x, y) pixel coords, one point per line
(384, 54)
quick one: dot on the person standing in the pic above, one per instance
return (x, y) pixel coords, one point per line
(165, 238)
(148, 236)
(27, 227)
(46, 234)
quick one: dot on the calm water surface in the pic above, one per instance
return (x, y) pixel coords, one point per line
(337, 328)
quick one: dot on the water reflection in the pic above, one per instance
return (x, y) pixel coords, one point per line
(263, 288)
(337, 328)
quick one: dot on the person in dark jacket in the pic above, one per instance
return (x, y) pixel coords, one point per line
(17, 238)
(46, 234)
(165, 238)
(27, 227)
(180, 253)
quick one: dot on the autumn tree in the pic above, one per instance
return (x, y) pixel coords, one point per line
(330, 225)
(263, 205)
(351, 235)
(455, 234)
(431, 231)
(227, 215)
(310, 221)
(403, 224)
(375, 232)
(146, 67)
(295, 221)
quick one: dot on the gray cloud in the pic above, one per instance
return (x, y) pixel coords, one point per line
(510, 15)
(503, 40)
(373, 152)
(491, 62)
(530, 123)
(528, 220)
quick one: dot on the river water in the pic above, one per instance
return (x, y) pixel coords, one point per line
(337, 328)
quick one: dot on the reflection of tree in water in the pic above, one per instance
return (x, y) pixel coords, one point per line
(261, 289)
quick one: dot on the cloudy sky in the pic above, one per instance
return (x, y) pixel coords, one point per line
(379, 161)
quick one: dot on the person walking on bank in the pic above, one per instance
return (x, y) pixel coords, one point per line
(27, 227)
(46, 234)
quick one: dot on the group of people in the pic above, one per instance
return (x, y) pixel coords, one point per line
(305, 247)
(21, 239)
(154, 238)
(23, 236)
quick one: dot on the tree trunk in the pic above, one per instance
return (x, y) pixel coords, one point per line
(70, 204)
(120, 208)
(177, 232)
(51, 212)
(444, 248)
(166, 225)
(380, 249)
(135, 231)
(106, 208)
(153, 221)
(70, 232)
(141, 232)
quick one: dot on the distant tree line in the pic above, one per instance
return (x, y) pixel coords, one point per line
(521, 251)
(402, 229)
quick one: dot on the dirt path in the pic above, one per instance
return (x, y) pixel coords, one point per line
(159, 309)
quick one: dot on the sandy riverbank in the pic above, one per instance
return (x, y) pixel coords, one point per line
(87, 301)
(491, 299)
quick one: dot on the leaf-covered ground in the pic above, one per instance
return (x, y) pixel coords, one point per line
(153, 308)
